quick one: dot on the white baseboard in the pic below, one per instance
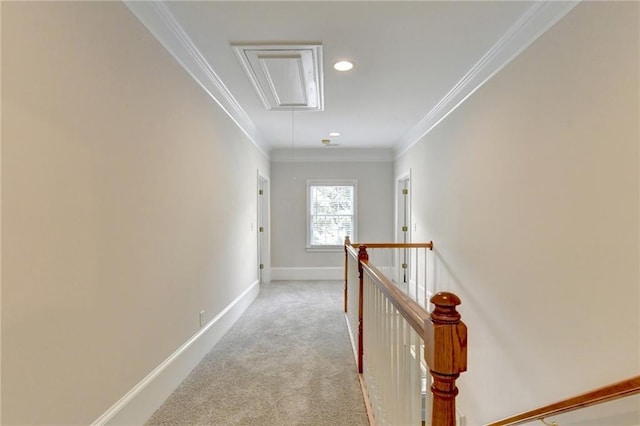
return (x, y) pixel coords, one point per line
(308, 273)
(143, 399)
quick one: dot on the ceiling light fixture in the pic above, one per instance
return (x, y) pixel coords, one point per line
(327, 142)
(343, 65)
(334, 134)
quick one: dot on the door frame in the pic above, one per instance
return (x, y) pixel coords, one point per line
(263, 229)
(402, 218)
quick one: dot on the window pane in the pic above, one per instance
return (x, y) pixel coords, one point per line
(330, 230)
(328, 200)
(331, 214)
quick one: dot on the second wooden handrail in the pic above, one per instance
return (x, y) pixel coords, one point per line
(604, 394)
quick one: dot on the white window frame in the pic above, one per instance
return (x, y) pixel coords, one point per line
(354, 229)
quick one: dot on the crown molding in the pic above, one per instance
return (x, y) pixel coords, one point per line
(531, 25)
(159, 20)
(333, 155)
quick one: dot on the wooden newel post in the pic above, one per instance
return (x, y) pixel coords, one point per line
(362, 253)
(446, 355)
(347, 243)
(362, 256)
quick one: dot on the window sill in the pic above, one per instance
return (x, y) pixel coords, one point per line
(328, 249)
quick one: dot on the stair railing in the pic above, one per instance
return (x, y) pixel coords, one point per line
(405, 264)
(409, 359)
(601, 395)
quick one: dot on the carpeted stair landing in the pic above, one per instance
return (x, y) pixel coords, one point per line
(286, 361)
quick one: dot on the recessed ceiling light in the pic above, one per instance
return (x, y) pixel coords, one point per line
(334, 134)
(343, 65)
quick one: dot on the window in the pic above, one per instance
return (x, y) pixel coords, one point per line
(331, 213)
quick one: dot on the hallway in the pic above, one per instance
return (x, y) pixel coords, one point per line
(286, 361)
(131, 186)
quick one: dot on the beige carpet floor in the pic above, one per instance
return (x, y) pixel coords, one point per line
(286, 361)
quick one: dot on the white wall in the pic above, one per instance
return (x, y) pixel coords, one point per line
(128, 203)
(529, 191)
(288, 208)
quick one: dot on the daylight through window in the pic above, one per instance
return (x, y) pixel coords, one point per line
(331, 208)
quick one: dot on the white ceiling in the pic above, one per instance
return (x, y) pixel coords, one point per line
(415, 61)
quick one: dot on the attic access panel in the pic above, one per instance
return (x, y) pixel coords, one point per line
(285, 76)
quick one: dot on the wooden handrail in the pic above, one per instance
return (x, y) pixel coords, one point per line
(598, 396)
(428, 245)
